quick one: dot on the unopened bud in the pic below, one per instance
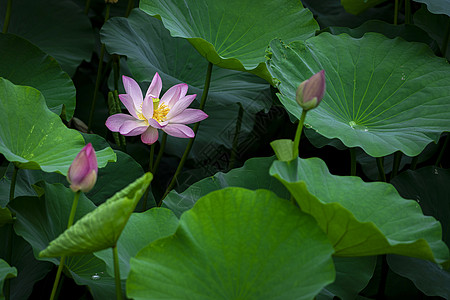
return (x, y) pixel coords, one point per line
(310, 92)
(82, 173)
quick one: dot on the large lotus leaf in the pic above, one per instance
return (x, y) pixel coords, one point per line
(150, 48)
(361, 218)
(6, 272)
(101, 228)
(352, 275)
(33, 137)
(234, 34)
(427, 276)
(383, 95)
(253, 175)
(437, 6)
(141, 230)
(58, 27)
(331, 13)
(433, 25)
(29, 270)
(358, 6)
(23, 63)
(40, 220)
(408, 32)
(236, 244)
(429, 187)
(91, 271)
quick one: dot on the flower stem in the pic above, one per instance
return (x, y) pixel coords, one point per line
(99, 74)
(160, 153)
(10, 230)
(407, 12)
(414, 162)
(61, 262)
(152, 154)
(191, 141)
(445, 40)
(7, 16)
(352, 162)
(87, 6)
(298, 133)
(117, 273)
(396, 12)
(380, 167)
(397, 160)
(129, 8)
(441, 154)
(236, 135)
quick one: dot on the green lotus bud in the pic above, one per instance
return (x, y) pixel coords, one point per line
(310, 92)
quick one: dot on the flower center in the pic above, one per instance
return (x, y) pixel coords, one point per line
(140, 115)
(159, 111)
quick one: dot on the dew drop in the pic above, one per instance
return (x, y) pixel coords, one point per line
(403, 76)
(307, 125)
(95, 277)
(436, 172)
(352, 124)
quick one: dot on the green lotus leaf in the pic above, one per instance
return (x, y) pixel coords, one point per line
(437, 6)
(6, 272)
(433, 25)
(40, 220)
(352, 275)
(253, 175)
(383, 95)
(236, 244)
(141, 230)
(361, 218)
(234, 34)
(409, 32)
(29, 270)
(102, 227)
(427, 276)
(59, 28)
(33, 137)
(358, 6)
(23, 63)
(150, 48)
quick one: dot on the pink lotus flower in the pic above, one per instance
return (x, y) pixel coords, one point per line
(170, 113)
(82, 173)
(311, 91)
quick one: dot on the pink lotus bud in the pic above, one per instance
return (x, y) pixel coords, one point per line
(310, 92)
(82, 173)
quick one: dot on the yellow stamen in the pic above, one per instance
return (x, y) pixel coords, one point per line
(160, 113)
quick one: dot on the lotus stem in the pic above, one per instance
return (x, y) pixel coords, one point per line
(414, 162)
(236, 135)
(117, 273)
(383, 278)
(99, 74)
(298, 133)
(191, 141)
(407, 12)
(160, 153)
(445, 40)
(7, 16)
(396, 12)
(380, 167)
(129, 8)
(352, 162)
(61, 262)
(87, 6)
(441, 154)
(396, 164)
(10, 230)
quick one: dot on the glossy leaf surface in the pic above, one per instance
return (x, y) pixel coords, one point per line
(361, 218)
(236, 244)
(383, 95)
(40, 140)
(234, 34)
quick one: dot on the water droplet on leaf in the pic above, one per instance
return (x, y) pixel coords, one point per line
(95, 277)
